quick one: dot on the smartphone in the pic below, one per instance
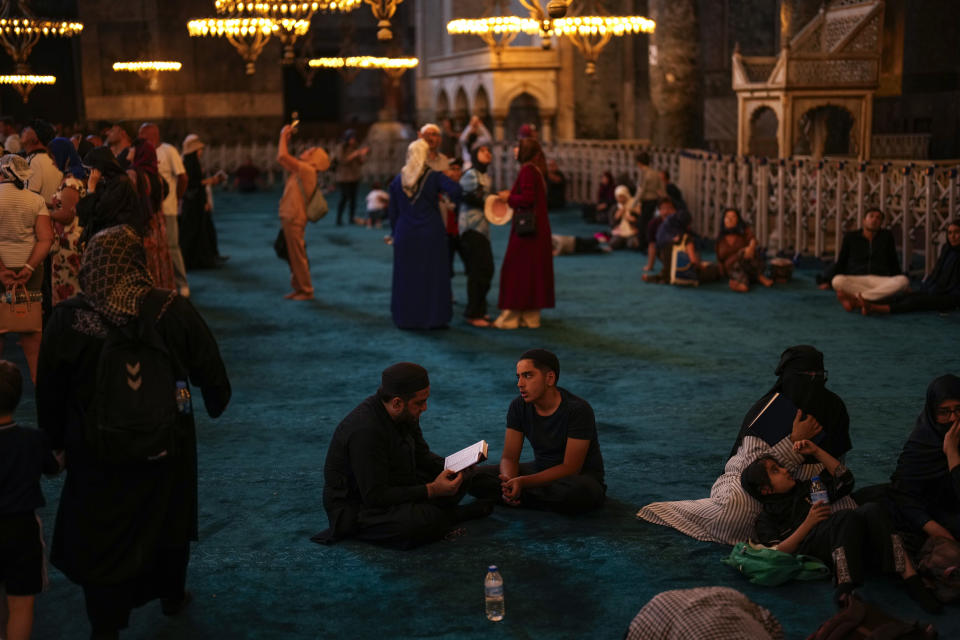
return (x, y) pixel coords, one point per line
(294, 125)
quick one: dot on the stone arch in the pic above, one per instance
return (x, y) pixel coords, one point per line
(443, 105)
(481, 106)
(507, 95)
(826, 129)
(524, 108)
(764, 132)
(461, 108)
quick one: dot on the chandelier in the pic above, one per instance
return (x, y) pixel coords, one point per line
(148, 69)
(393, 67)
(20, 31)
(383, 11)
(292, 18)
(247, 35)
(24, 83)
(588, 33)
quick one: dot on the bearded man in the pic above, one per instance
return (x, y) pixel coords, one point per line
(382, 483)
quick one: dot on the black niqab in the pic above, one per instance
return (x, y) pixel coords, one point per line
(810, 395)
(923, 457)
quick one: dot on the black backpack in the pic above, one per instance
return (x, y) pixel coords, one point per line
(133, 416)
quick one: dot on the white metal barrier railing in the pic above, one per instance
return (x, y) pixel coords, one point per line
(797, 205)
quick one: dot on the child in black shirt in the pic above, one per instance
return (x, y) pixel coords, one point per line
(24, 456)
(844, 539)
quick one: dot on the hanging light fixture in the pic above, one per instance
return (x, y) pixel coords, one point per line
(383, 11)
(588, 33)
(149, 70)
(292, 18)
(20, 30)
(247, 35)
(24, 83)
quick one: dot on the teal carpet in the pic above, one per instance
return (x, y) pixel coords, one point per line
(669, 372)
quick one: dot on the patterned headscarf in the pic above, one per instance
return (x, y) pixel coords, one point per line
(15, 169)
(113, 274)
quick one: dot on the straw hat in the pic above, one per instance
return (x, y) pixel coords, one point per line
(497, 211)
(191, 143)
(317, 157)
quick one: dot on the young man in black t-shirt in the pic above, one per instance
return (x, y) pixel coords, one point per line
(566, 474)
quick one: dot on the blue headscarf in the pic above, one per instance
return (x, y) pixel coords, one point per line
(66, 157)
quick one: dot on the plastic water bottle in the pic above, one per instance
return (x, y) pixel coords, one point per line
(184, 405)
(493, 594)
(818, 492)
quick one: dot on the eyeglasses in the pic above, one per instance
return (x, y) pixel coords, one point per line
(947, 412)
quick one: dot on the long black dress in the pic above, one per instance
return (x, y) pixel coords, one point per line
(116, 525)
(198, 236)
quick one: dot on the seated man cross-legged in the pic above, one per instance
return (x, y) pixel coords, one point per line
(566, 474)
(381, 481)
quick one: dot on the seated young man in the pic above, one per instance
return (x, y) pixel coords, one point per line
(840, 539)
(566, 474)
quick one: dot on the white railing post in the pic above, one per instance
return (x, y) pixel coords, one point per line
(907, 206)
(818, 210)
(781, 203)
(930, 226)
(799, 240)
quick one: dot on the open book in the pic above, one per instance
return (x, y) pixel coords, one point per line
(465, 458)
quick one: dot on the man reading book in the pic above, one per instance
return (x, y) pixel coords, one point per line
(381, 481)
(566, 474)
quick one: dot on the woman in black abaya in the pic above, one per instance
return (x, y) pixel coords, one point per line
(802, 379)
(926, 483)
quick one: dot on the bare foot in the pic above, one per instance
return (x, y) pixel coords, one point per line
(764, 280)
(848, 301)
(865, 307)
(290, 295)
(479, 322)
(303, 296)
(648, 268)
(739, 287)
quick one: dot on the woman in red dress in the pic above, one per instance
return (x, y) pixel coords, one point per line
(526, 278)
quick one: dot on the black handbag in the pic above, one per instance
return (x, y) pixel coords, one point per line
(280, 246)
(525, 222)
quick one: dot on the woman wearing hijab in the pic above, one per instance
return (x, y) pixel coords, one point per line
(939, 291)
(421, 297)
(65, 261)
(926, 483)
(737, 253)
(606, 200)
(26, 235)
(526, 277)
(145, 175)
(123, 532)
(111, 198)
(729, 514)
(475, 233)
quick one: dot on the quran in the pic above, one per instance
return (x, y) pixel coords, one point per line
(465, 458)
(775, 421)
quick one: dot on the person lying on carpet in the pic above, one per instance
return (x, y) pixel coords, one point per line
(566, 474)
(382, 483)
(846, 539)
(728, 515)
(939, 291)
(926, 483)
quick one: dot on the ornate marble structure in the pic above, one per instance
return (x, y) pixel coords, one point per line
(832, 64)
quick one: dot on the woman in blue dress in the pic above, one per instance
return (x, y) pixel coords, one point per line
(422, 296)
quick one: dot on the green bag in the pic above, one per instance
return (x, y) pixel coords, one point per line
(769, 567)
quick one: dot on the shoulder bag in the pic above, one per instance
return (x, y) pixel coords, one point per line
(316, 205)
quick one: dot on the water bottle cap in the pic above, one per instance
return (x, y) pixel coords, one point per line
(492, 568)
(815, 479)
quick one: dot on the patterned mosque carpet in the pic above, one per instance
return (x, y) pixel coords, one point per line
(669, 371)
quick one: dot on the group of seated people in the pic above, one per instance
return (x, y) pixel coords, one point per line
(764, 492)
(384, 485)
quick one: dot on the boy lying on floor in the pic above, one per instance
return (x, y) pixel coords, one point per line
(841, 539)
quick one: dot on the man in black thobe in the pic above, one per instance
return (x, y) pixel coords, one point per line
(382, 482)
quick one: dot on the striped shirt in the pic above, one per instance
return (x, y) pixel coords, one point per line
(19, 209)
(729, 514)
(704, 613)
